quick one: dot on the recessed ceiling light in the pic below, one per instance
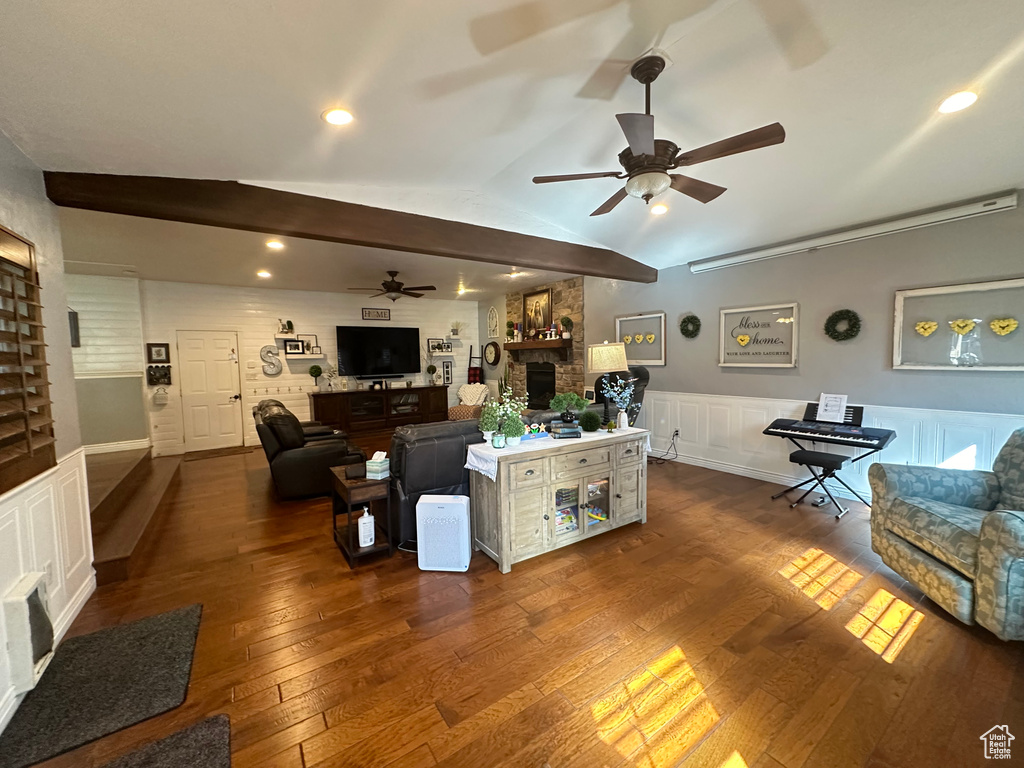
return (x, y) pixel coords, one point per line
(461, 290)
(958, 101)
(277, 245)
(513, 273)
(263, 273)
(659, 209)
(337, 116)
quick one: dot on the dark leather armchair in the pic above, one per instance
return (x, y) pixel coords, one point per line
(428, 458)
(311, 429)
(300, 466)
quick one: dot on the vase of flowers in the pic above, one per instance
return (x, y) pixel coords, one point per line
(510, 416)
(620, 392)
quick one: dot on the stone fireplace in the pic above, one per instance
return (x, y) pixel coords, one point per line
(566, 300)
(540, 384)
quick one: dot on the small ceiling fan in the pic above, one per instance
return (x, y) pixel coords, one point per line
(395, 289)
(646, 162)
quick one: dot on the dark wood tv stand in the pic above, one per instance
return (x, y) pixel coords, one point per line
(367, 410)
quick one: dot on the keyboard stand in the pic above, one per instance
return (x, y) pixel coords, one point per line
(819, 482)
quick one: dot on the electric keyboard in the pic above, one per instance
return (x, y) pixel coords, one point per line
(828, 432)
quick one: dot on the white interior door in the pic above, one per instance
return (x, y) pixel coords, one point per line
(211, 399)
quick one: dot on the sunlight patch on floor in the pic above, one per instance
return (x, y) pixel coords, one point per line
(665, 703)
(735, 760)
(885, 624)
(821, 577)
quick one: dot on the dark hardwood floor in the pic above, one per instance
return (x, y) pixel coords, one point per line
(715, 636)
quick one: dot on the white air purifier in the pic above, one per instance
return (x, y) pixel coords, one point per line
(442, 533)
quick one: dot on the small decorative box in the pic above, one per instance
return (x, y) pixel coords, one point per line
(378, 470)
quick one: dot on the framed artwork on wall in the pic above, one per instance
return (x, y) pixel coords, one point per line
(644, 337)
(972, 326)
(294, 347)
(492, 323)
(536, 311)
(434, 345)
(308, 340)
(448, 369)
(158, 353)
(759, 337)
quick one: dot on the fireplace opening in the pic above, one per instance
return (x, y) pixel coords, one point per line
(540, 384)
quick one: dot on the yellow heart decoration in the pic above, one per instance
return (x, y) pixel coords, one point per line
(962, 326)
(743, 340)
(639, 337)
(650, 338)
(1004, 326)
(926, 327)
(627, 339)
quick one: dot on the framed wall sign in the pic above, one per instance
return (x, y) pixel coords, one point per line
(448, 368)
(492, 323)
(973, 326)
(376, 314)
(759, 337)
(644, 337)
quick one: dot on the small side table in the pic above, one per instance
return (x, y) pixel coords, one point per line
(349, 492)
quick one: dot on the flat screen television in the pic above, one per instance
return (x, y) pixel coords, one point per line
(374, 352)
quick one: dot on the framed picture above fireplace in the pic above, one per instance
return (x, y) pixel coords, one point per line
(536, 311)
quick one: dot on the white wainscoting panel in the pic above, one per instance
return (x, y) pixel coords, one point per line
(724, 433)
(44, 526)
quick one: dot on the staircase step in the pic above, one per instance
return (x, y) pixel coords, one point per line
(112, 479)
(114, 545)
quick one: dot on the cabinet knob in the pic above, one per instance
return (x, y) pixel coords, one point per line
(583, 461)
(546, 517)
(629, 451)
(529, 472)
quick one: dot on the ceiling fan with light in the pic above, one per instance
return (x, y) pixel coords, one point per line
(646, 162)
(395, 289)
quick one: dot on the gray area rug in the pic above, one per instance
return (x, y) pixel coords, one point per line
(203, 745)
(100, 683)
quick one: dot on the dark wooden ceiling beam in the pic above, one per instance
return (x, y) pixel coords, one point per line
(233, 205)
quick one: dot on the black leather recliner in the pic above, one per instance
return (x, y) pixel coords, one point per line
(427, 459)
(311, 429)
(300, 465)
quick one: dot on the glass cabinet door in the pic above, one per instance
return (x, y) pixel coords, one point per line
(366, 406)
(596, 506)
(405, 404)
(567, 511)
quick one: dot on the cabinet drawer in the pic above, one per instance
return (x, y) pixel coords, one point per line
(580, 461)
(629, 452)
(526, 473)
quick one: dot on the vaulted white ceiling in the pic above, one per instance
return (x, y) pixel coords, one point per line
(459, 104)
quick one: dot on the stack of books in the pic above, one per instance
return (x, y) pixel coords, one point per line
(563, 429)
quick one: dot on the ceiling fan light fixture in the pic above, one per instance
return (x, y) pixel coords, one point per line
(393, 295)
(648, 185)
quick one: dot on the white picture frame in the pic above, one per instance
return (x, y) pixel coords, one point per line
(492, 323)
(906, 317)
(644, 324)
(753, 322)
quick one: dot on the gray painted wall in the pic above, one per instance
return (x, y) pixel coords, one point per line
(861, 276)
(110, 410)
(25, 210)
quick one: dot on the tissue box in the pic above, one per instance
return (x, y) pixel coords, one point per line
(378, 469)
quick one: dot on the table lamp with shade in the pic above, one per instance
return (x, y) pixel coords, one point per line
(609, 357)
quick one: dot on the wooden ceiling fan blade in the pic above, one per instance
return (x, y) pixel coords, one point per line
(411, 293)
(639, 132)
(493, 32)
(420, 288)
(362, 289)
(576, 177)
(610, 203)
(743, 142)
(695, 188)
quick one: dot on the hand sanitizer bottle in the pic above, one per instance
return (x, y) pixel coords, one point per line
(366, 528)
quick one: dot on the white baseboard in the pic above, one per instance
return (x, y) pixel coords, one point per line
(73, 608)
(125, 445)
(8, 704)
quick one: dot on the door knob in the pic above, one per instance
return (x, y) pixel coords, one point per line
(233, 398)
(618, 495)
(546, 517)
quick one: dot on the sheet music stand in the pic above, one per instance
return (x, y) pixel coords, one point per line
(828, 464)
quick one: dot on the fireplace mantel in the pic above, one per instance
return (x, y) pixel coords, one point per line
(560, 346)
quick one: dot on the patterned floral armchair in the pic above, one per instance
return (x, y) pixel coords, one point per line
(957, 535)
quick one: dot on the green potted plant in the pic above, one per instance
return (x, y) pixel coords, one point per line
(568, 404)
(432, 371)
(489, 420)
(510, 330)
(590, 421)
(316, 372)
(513, 429)
(567, 324)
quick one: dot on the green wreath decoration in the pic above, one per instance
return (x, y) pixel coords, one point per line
(837, 318)
(689, 326)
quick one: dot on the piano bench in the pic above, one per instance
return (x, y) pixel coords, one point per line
(829, 461)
